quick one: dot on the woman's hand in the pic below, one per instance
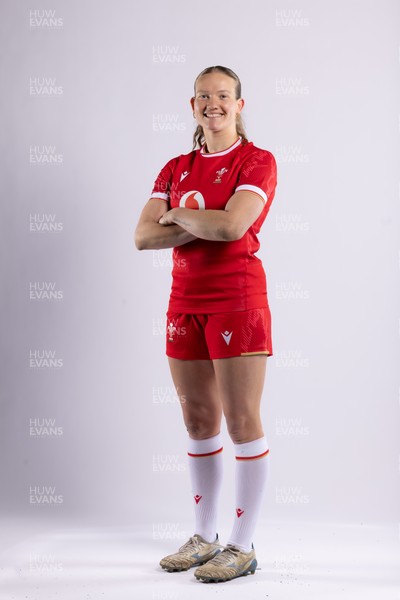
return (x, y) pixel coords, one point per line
(150, 235)
(168, 218)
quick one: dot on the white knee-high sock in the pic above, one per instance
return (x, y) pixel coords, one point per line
(251, 477)
(205, 466)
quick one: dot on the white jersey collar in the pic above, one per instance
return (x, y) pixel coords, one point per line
(223, 152)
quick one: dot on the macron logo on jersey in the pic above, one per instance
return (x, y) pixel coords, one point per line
(184, 174)
(227, 337)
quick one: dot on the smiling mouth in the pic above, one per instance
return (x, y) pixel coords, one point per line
(213, 115)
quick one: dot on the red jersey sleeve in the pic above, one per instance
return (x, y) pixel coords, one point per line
(258, 174)
(162, 185)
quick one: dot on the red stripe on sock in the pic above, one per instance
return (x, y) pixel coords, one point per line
(252, 457)
(208, 453)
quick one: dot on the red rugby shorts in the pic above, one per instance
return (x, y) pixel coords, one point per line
(220, 335)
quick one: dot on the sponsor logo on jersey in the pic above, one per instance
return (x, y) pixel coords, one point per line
(184, 174)
(219, 175)
(227, 336)
(239, 512)
(198, 498)
(193, 199)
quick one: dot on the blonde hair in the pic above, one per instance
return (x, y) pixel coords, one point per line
(198, 136)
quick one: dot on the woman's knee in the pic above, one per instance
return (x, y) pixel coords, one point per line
(201, 431)
(202, 420)
(202, 426)
(244, 428)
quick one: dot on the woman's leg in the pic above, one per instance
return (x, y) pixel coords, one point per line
(196, 386)
(240, 383)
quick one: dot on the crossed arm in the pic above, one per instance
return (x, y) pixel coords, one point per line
(160, 228)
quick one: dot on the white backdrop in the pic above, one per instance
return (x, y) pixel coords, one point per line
(94, 101)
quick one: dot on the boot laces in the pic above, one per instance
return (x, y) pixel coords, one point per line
(192, 542)
(228, 554)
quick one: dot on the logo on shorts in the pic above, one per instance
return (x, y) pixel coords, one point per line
(197, 498)
(227, 336)
(171, 332)
(239, 512)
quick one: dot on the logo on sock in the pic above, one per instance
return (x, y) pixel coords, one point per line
(197, 498)
(239, 512)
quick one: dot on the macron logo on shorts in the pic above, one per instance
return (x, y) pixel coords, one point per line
(227, 336)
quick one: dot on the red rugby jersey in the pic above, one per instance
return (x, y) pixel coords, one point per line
(209, 276)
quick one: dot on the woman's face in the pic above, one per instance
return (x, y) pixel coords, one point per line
(214, 104)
